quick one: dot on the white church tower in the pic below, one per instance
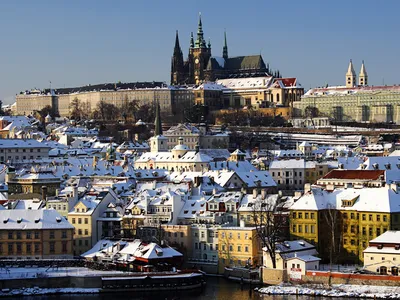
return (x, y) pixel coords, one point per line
(363, 76)
(158, 142)
(350, 76)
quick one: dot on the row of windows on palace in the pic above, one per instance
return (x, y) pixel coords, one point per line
(353, 216)
(287, 173)
(33, 235)
(17, 157)
(212, 247)
(353, 229)
(212, 234)
(17, 150)
(29, 249)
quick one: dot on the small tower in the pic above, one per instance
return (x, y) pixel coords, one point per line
(350, 76)
(363, 76)
(158, 142)
(177, 68)
(225, 49)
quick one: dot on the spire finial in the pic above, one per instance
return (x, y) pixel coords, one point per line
(209, 42)
(200, 43)
(191, 40)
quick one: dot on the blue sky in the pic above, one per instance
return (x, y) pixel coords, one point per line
(80, 42)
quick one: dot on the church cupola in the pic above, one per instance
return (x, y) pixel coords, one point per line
(225, 49)
(350, 76)
(363, 76)
(179, 150)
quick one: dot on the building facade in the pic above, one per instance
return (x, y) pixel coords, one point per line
(35, 234)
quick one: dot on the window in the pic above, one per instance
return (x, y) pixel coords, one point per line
(384, 218)
(52, 247)
(19, 235)
(10, 235)
(195, 246)
(352, 242)
(364, 231)
(352, 216)
(205, 246)
(294, 228)
(239, 248)
(79, 231)
(19, 248)
(370, 231)
(28, 248)
(216, 247)
(52, 234)
(300, 228)
(86, 232)
(10, 248)
(305, 228)
(64, 234)
(37, 247)
(312, 229)
(73, 220)
(306, 215)
(378, 232)
(364, 217)
(64, 247)
(86, 242)
(300, 215)
(370, 217)
(36, 235)
(312, 215)
(294, 215)
(223, 247)
(378, 218)
(28, 235)
(79, 220)
(246, 248)
(86, 221)
(352, 229)
(230, 248)
(211, 247)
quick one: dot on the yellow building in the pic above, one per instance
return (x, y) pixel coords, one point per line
(354, 214)
(35, 234)
(84, 218)
(238, 246)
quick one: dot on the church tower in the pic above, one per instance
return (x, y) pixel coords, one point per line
(350, 76)
(199, 55)
(363, 76)
(225, 48)
(177, 69)
(158, 142)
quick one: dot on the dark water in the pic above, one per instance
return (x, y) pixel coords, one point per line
(217, 288)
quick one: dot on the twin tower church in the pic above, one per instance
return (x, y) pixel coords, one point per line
(202, 66)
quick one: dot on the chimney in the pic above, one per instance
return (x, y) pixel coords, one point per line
(75, 193)
(307, 188)
(44, 192)
(263, 194)
(255, 193)
(394, 187)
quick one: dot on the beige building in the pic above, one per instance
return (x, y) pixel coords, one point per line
(89, 96)
(383, 254)
(352, 102)
(35, 234)
(20, 150)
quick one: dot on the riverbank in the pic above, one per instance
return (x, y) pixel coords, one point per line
(46, 291)
(337, 290)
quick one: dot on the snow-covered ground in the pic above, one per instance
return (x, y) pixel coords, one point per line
(40, 291)
(14, 273)
(337, 290)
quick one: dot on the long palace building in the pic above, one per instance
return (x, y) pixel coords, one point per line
(356, 101)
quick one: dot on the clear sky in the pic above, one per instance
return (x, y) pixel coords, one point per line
(78, 42)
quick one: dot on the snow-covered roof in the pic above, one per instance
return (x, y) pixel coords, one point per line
(305, 258)
(21, 219)
(21, 143)
(388, 237)
(377, 199)
(287, 164)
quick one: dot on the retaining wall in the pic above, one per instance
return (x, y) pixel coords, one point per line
(348, 278)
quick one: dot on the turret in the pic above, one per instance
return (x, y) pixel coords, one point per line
(177, 62)
(350, 76)
(158, 142)
(363, 76)
(200, 42)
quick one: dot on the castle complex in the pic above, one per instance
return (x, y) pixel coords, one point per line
(201, 66)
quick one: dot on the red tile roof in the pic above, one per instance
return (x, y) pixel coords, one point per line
(355, 174)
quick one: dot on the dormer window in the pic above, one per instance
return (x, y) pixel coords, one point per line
(19, 220)
(397, 247)
(37, 220)
(58, 219)
(5, 220)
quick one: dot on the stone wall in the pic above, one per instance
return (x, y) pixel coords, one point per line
(348, 278)
(273, 276)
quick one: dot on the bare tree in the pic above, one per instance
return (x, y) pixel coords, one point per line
(269, 223)
(332, 220)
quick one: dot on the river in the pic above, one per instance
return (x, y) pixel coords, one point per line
(217, 288)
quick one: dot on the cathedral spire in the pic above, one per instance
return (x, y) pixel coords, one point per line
(225, 49)
(157, 122)
(200, 43)
(177, 48)
(191, 40)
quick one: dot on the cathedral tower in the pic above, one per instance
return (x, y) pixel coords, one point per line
(177, 69)
(363, 76)
(199, 55)
(350, 76)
